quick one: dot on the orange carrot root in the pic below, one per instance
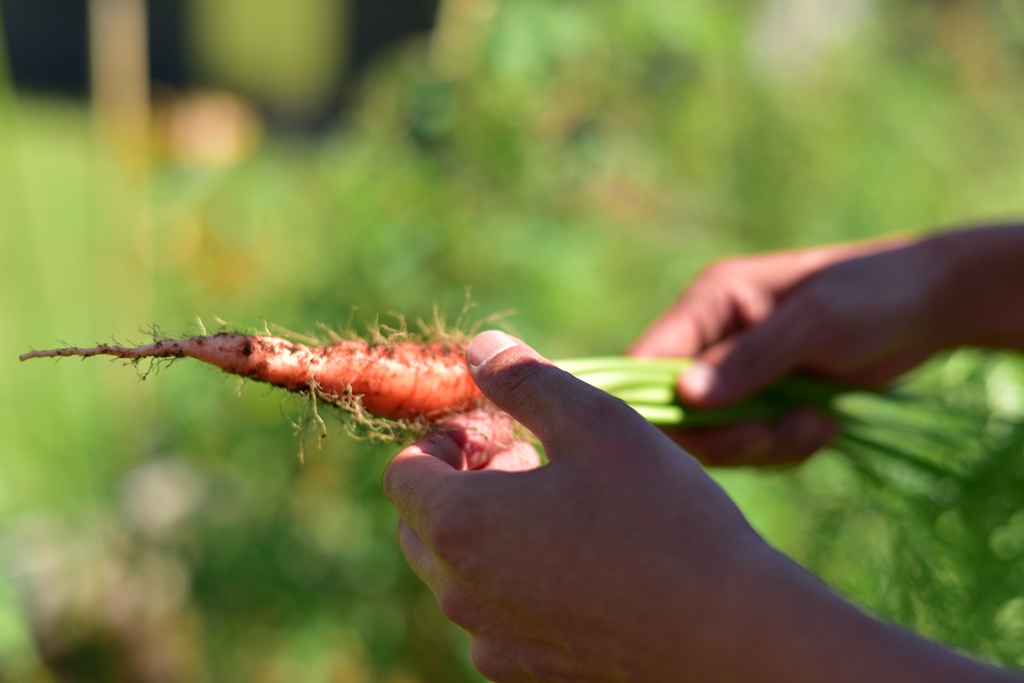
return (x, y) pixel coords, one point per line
(398, 381)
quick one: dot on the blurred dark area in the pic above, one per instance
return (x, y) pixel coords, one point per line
(379, 24)
(48, 45)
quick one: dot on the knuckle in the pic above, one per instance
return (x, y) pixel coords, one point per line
(718, 271)
(727, 272)
(456, 608)
(826, 309)
(748, 367)
(743, 360)
(447, 541)
(522, 380)
(449, 531)
(819, 303)
(490, 664)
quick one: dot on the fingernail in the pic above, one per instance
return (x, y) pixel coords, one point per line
(486, 346)
(700, 381)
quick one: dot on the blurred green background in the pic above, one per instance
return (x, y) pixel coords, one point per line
(574, 162)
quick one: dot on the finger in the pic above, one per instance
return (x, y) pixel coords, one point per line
(794, 438)
(559, 408)
(469, 441)
(419, 556)
(755, 358)
(798, 436)
(494, 665)
(675, 334)
(519, 457)
(701, 315)
(419, 472)
(726, 446)
(478, 437)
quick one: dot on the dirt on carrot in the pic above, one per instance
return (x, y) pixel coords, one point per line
(388, 387)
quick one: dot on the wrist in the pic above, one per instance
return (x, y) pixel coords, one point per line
(798, 630)
(980, 285)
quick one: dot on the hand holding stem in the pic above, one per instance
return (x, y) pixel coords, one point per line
(860, 313)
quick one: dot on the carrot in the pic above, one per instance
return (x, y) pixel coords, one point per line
(397, 381)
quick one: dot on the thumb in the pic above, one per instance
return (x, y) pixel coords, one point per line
(564, 412)
(738, 368)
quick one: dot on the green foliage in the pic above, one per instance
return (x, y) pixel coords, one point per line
(942, 526)
(579, 167)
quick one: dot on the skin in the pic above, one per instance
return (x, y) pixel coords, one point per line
(620, 560)
(861, 313)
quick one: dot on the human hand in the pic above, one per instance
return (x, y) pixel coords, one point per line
(858, 313)
(619, 560)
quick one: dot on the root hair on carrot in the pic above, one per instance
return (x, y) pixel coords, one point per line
(374, 380)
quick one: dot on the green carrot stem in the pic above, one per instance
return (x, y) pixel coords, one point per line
(649, 386)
